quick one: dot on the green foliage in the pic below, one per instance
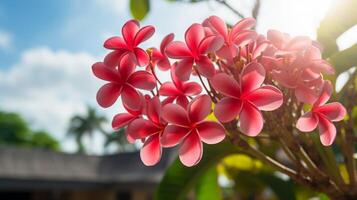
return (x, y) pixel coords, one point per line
(341, 16)
(15, 131)
(139, 8)
(345, 59)
(207, 187)
(44, 140)
(179, 179)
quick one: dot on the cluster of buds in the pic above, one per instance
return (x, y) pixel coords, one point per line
(241, 73)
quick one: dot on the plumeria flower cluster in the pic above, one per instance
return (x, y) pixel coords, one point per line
(241, 74)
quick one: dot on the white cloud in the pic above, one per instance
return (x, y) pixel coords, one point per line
(116, 6)
(5, 40)
(48, 87)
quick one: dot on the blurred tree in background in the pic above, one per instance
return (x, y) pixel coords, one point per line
(15, 131)
(92, 123)
(119, 141)
(85, 125)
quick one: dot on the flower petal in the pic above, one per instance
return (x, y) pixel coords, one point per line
(178, 82)
(266, 98)
(142, 80)
(154, 110)
(327, 131)
(199, 108)
(105, 73)
(178, 50)
(175, 114)
(173, 135)
(183, 69)
(113, 58)
(126, 65)
(122, 119)
(168, 100)
(151, 152)
(298, 43)
(166, 41)
(108, 94)
(218, 26)
(211, 132)
(141, 128)
(333, 111)
(313, 53)
(191, 88)
(193, 36)
(182, 101)
(168, 89)
(228, 52)
(131, 98)
(115, 43)
(227, 109)
(210, 44)
(244, 24)
(260, 49)
(164, 64)
(277, 38)
(129, 30)
(142, 57)
(307, 122)
(252, 77)
(143, 34)
(226, 85)
(305, 94)
(190, 151)
(245, 37)
(325, 94)
(251, 120)
(321, 66)
(205, 67)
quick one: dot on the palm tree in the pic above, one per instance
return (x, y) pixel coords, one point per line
(82, 125)
(119, 139)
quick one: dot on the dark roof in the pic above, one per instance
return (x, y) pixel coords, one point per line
(25, 164)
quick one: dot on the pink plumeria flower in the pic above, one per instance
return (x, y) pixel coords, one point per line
(246, 99)
(237, 36)
(133, 35)
(159, 57)
(286, 45)
(322, 115)
(150, 131)
(303, 73)
(194, 51)
(178, 90)
(122, 82)
(255, 48)
(189, 128)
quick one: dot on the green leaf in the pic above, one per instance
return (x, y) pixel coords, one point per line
(179, 179)
(207, 187)
(345, 59)
(341, 16)
(139, 8)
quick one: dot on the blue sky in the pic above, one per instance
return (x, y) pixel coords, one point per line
(47, 47)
